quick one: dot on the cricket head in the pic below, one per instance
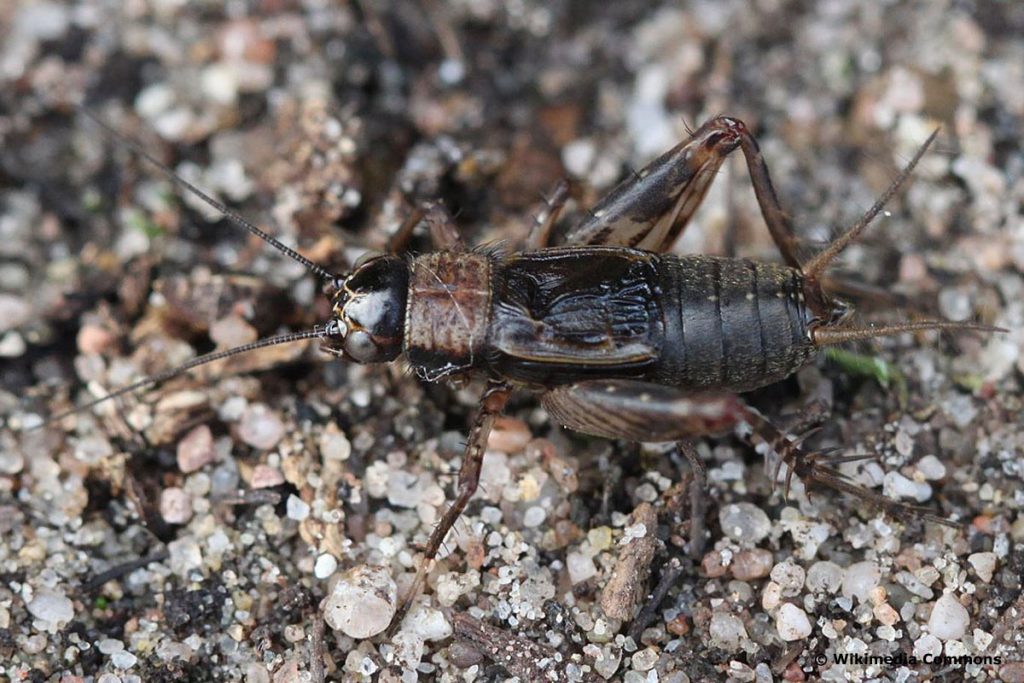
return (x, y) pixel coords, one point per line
(368, 310)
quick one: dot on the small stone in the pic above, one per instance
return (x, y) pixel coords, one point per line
(324, 566)
(109, 646)
(727, 631)
(260, 427)
(984, 565)
(231, 331)
(790, 577)
(509, 435)
(428, 623)
(860, 578)
(184, 555)
(792, 623)
(825, 577)
(931, 468)
(534, 517)
(927, 645)
(93, 339)
(581, 567)
(744, 523)
(265, 477)
(714, 564)
(949, 619)
(362, 602)
(644, 660)
(752, 564)
(771, 596)
(895, 485)
(196, 450)
(334, 445)
(885, 614)
(14, 312)
(175, 505)
(296, 508)
(51, 606)
(123, 660)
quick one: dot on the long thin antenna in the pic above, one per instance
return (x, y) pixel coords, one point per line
(827, 336)
(224, 210)
(185, 367)
(823, 258)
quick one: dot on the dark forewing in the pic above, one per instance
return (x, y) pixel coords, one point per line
(575, 309)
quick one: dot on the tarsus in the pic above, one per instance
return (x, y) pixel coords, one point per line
(224, 210)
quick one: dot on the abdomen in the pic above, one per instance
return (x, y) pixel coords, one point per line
(729, 323)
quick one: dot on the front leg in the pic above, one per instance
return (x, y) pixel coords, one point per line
(492, 403)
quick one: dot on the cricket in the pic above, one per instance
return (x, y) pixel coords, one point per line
(620, 338)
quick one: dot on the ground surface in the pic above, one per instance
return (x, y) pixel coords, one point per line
(191, 533)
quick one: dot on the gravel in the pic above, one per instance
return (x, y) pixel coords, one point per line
(204, 530)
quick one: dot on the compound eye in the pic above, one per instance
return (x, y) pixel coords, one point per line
(359, 345)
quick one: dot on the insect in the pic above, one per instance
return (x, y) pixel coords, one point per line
(620, 338)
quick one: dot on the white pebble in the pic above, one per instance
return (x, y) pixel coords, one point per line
(334, 445)
(727, 631)
(931, 467)
(860, 578)
(185, 555)
(52, 607)
(362, 603)
(123, 660)
(260, 427)
(427, 623)
(175, 505)
(581, 567)
(927, 645)
(324, 566)
(792, 623)
(534, 517)
(949, 619)
(825, 576)
(895, 485)
(789, 576)
(984, 564)
(744, 523)
(296, 508)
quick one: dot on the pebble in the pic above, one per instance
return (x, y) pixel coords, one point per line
(51, 606)
(260, 427)
(752, 564)
(428, 623)
(949, 619)
(580, 566)
(927, 645)
(1013, 672)
(792, 623)
(509, 435)
(984, 564)
(825, 577)
(231, 331)
(196, 450)
(534, 517)
(296, 508)
(334, 445)
(175, 505)
(789, 576)
(727, 631)
(184, 555)
(860, 578)
(362, 602)
(744, 523)
(123, 660)
(324, 566)
(93, 339)
(14, 312)
(265, 477)
(931, 468)
(895, 485)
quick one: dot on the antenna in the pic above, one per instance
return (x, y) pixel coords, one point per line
(218, 206)
(823, 258)
(185, 367)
